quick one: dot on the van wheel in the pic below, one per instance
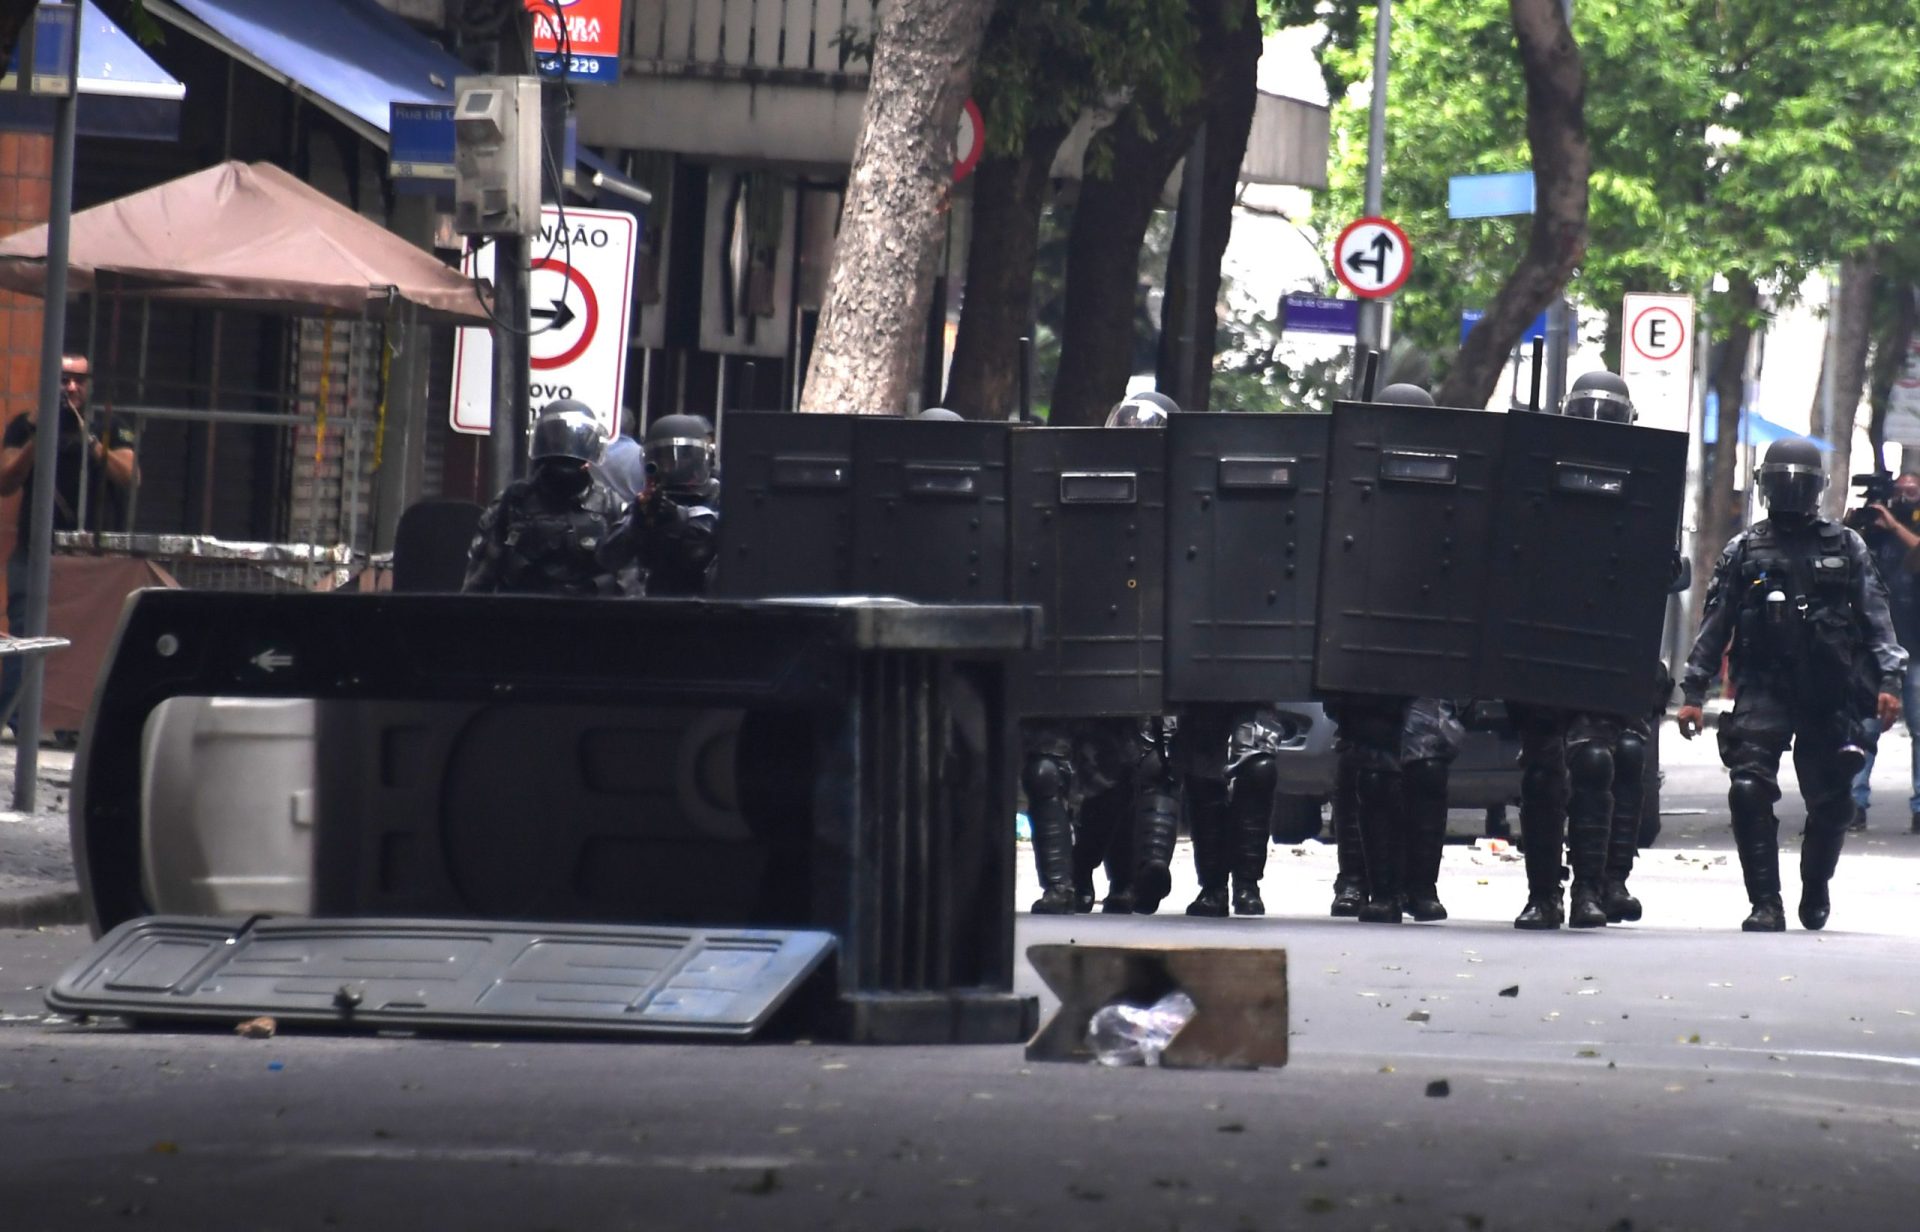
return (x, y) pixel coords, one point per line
(1650, 795)
(1497, 826)
(1295, 818)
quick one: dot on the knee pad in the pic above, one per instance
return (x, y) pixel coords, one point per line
(1590, 766)
(1630, 754)
(1425, 778)
(1252, 778)
(1046, 778)
(1751, 794)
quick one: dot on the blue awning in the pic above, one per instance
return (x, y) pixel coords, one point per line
(123, 93)
(350, 57)
(1754, 429)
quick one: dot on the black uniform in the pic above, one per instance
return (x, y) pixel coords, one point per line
(671, 534)
(1390, 804)
(542, 536)
(1087, 782)
(1812, 645)
(1225, 755)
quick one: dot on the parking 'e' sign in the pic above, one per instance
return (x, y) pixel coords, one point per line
(1372, 257)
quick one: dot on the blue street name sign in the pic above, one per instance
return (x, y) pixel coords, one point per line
(1490, 196)
(1471, 317)
(1316, 314)
(422, 137)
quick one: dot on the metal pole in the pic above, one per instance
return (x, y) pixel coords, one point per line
(1371, 331)
(512, 359)
(1192, 197)
(53, 341)
(1559, 339)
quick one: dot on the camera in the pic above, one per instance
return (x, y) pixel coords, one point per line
(1875, 489)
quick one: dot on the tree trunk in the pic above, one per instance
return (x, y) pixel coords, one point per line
(1229, 121)
(1008, 196)
(1557, 139)
(1720, 513)
(1889, 360)
(1850, 325)
(1110, 224)
(879, 290)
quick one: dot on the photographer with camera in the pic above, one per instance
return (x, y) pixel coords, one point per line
(1889, 520)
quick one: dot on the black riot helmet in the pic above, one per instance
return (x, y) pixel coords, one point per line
(679, 454)
(940, 413)
(567, 430)
(1149, 409)
(1404, 395)
(1599, 395)
(1791, 478)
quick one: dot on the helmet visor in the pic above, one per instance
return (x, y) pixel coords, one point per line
(1791, 488)
(677, 462)
(1602, 404)
(567, 435)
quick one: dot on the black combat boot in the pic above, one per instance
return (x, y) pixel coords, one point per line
(1587, 839)
(1819, 856)
(1053, 857)
(1120, 867)
(1623, 836)
(1212, 858)
(1350, 881)
(1544, 837)
(1383, 840)
(1423, 788)
(1756, 833)
(1156, 824)
(1249, 816)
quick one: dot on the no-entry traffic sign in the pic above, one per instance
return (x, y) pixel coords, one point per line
(580, 284)
(970, 142)
(1372, 257)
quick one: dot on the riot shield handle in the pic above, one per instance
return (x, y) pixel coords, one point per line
(1539, 351)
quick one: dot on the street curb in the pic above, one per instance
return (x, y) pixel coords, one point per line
(36, 910)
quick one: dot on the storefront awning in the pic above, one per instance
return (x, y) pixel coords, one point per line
(123, 93)
(351, 58)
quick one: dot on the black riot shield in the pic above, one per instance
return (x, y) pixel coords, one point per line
(931, 510)
(786, 505)
(1582, 555)
(1410, 499)
(1089, 548)
(1246, 496)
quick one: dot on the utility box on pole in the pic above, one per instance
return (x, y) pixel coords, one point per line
(496, 126)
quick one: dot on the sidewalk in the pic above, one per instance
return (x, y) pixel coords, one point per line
(37, 884)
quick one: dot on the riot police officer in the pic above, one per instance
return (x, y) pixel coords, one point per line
(542, 535)
(1394, 755)
(1109, 761)
(1817, 666)
(1582, 772)
(670, 529)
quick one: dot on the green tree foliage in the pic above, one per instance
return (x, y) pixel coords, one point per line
(1764, 137)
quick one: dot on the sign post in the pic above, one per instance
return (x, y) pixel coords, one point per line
(580, 291)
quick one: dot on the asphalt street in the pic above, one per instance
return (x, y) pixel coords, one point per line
(1671, 1074)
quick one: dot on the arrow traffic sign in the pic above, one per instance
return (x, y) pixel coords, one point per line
(1372, 257)
(579, 287)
